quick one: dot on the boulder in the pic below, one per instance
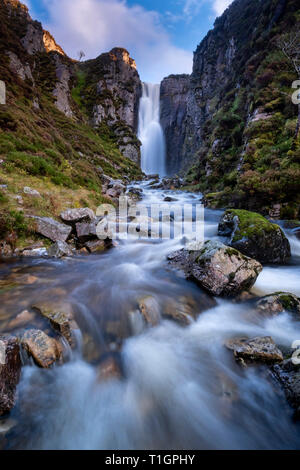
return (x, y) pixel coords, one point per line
(86, 231)
(96, 246)
(10, 370)
(72, 216)
(170, 199)
(288, 374)
(136, 194)
(255, 236)
(59, 250)
(31, 192)
(61, 321)
(279, 302)
(219, 269)
(52, 229)
(44, 350)
(150, 310)
(110, 368)
(255, 350)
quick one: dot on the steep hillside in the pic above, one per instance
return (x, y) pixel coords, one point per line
(240, 125)
(49, 138)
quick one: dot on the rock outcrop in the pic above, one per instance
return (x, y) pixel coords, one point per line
(10, 369)
(173, 108)
(255, 236)
(219, 269)
(255, 350)
(113, 89)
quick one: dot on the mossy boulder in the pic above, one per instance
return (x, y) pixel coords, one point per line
(219, 269)
(255, 236)
(279, 302)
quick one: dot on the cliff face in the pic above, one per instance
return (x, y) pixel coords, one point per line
(173, 104)
(111, 82)
(111, 90)
(240, 121)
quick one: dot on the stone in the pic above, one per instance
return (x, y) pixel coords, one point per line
(288, 375)
(150, 310)
(279, 302)
(219, 269)
(61, 321)
(110, 368)
(72, 216)
(10, 370)
(136, 194)
(95, 246)
(255, 236)
(21, 320)
(86, 231)
(31, 192)
(44, 350)
(255, 350)
(52, 229)
(170, 199)
(59, 250)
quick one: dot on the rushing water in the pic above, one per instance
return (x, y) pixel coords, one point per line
(181, 388)
(150, 131)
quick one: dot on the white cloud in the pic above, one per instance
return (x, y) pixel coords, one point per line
(193, 7)
(96, 26)
(220, 6)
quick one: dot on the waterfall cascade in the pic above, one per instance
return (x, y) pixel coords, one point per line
(150, 131)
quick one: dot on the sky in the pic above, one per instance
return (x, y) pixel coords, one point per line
(160, 35)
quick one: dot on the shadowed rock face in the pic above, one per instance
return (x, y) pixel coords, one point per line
(10, 369)
(173, 97)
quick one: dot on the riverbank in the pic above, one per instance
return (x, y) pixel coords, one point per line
(129, 384)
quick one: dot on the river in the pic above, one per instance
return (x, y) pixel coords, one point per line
(181, 388)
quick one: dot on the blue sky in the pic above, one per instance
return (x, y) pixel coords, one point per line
(160, 35)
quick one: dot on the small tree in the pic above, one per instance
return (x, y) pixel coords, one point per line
(289, 44)
(81, 55)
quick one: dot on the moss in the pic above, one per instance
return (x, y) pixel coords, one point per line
(251, 224)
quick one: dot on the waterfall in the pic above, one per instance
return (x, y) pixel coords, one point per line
(150, 131)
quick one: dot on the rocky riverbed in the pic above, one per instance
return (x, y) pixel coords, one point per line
(151, 344)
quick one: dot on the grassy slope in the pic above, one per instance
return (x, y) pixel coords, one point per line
(60, 157)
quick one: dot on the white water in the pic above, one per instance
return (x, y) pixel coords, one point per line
(150, 131)
(182, 389)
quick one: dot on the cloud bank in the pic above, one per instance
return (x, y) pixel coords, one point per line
(96, 26)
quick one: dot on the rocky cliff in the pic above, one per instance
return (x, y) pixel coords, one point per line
(239, 130)
(110, 91)
(173, 96)
(64, 126)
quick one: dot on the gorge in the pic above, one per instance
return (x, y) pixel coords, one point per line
(144, 342)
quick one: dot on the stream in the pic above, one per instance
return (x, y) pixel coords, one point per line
(182, 389)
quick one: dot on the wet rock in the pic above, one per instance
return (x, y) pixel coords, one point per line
(44, 350)
(52, 229)
(31, 192)
(255, 350)
(180, 313)
(255, 236)
(21, 320)
(59, 250)
(150, 310)
(170, 199)
(219, 269)
(136, 194)
(110, 368)
(96, 246)
(73, 216)
(61, 321)
(10, 370)
(86, 231)
(288, 374)
(279, 302)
